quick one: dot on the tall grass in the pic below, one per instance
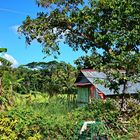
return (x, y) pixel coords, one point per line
(43, 104)
(41, 118)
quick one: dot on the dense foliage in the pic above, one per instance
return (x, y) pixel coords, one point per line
(24, 116)
(37, 120)
(5, 63)
(52, 77)
(110, 29)
(91, 24)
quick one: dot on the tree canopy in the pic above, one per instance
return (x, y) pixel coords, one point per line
(110, 25)
(91, 24)
(47, 77)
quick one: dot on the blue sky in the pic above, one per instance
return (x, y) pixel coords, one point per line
(12, 13)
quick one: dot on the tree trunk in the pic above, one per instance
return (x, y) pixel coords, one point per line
(123, 95)
(0, 86)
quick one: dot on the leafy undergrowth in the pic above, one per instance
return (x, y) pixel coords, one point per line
(54, 120)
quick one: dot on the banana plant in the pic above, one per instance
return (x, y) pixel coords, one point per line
(3, 62)
(3, 50)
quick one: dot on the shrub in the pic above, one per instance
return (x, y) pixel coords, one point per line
(28, 122)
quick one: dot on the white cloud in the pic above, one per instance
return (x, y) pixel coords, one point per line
(14, 28)
(11, 59)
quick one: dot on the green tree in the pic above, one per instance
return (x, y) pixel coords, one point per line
(91, 24)
(89, 61)
(120, 69)
(109, 25)
(3, 63)
(52, 77)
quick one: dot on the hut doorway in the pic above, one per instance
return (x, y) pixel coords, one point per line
(83, 95)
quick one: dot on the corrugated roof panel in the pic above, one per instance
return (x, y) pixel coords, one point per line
(91, 75)
(94, 74)
(130, 90)
(103, 89)
(133, 87)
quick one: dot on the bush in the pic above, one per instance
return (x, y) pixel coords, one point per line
(28, 122)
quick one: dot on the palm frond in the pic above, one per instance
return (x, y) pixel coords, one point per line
(5, 62)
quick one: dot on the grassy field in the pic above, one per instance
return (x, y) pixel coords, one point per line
(39, 117)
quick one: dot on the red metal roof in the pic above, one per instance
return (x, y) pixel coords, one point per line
(82, 84)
